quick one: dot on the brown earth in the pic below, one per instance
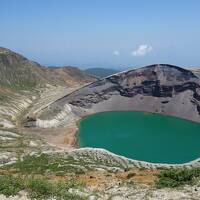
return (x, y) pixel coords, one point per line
(61, 137)
(102, 179)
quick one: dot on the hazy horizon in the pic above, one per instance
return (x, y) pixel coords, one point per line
(109, 34)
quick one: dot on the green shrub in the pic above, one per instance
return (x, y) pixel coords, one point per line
(175, 178)
(40, 188)
(10, 185)
(45, 189)
(33, 164)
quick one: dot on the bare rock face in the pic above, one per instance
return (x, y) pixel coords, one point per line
(160, 88)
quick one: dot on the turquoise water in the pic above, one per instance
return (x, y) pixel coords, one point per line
(142, 136)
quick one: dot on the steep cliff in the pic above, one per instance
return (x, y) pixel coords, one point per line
(162, 88)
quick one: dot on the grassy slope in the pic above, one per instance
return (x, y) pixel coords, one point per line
(45, 176)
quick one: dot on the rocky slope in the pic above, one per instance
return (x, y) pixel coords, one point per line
(23, 83)
(164, 89)
(69, 75)
(94, 177)
(18, 72)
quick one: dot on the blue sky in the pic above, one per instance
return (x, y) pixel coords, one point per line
(103, 33)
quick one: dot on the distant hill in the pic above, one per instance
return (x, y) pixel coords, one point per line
(101, 72)
(70, 75)
(19, 73)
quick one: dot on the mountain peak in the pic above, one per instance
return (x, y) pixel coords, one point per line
(4, 50)
(16, 71)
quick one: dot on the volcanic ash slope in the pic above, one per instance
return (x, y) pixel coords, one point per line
(164, 89)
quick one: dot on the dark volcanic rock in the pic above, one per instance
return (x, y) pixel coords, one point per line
(160, 88)
(154, 80)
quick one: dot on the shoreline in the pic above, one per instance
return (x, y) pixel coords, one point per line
(135, 163)
(147, 112)
(76, 146)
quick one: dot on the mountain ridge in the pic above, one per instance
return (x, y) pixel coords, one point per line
(17, 72)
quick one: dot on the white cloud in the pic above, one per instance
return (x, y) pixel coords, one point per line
(142, 50)
(116, 53)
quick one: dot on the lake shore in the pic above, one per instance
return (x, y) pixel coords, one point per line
(170, 120)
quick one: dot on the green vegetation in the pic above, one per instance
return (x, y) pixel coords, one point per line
(57, 164)
(21, 86)
(45, 176)
(53, 176)
(43, 189)
(175, 178)
(46, 164)
(34, 174)
(38, 188)
(32, 164)
(10, 185)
